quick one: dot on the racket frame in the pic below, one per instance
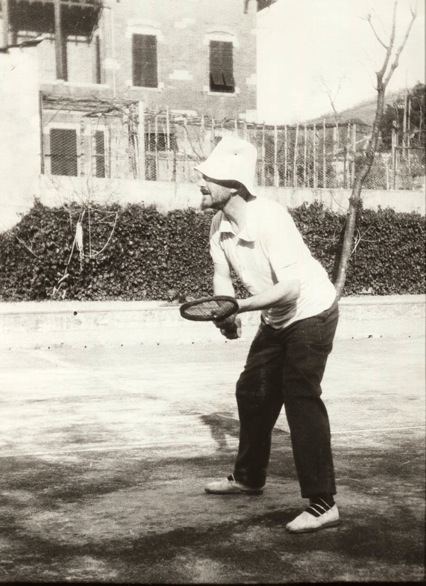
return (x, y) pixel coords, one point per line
(202, 300)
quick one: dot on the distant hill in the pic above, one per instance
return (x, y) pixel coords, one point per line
(362, 113)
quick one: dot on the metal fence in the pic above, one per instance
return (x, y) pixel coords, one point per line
(125, 141)
(316, 156)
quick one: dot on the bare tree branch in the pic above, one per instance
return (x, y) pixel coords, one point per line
(401, 47)
(26, 246)
(330, 96)
(382, 71)
(95, 254)
(369, 20)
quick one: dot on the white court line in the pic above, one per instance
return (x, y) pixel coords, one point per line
(111, 448)
(377, 429)
(163, 445)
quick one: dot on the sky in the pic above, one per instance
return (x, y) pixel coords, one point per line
(315, 52)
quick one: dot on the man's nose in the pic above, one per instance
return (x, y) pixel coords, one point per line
(202, 182)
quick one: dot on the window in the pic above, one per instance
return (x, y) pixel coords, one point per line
(159, 158)
(144, 52)
(63, 152)
(221, 67)
(99, 153)
(160, 141)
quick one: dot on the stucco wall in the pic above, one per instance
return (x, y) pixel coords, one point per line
(19, 131)
(338, 199)
(54, 191)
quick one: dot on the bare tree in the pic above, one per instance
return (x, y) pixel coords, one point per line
(332, 97)
(383, 76)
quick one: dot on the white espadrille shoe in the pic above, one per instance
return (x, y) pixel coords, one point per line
(231, 486)
(306, 522)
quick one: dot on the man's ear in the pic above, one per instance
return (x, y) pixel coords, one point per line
(234, 191)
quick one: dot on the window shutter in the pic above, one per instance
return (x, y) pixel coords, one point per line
(144, 52)
(98, 60)
(137, 54)
(100, 153)
(63, 152)
(216, 62)
(228, 65)
(221, 67)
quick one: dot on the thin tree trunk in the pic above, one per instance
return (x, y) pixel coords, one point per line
(355, 201)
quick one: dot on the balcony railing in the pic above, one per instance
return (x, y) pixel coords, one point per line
(81, 3)
(78, 17)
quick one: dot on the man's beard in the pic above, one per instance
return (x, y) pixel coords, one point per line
(206, 201)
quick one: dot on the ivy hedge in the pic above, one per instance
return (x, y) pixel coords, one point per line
(135, 252)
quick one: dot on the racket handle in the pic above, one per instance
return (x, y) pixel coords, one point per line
(233, 330)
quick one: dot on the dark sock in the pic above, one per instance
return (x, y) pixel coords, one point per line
(319, 504)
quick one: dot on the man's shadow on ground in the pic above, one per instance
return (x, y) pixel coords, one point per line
(222, 425)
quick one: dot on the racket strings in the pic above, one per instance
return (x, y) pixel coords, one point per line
(210, 309)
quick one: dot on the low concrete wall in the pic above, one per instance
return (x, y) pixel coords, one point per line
(337, 200)
(55, 191)
(79, 324)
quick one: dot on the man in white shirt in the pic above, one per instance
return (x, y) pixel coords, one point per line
(299, 315)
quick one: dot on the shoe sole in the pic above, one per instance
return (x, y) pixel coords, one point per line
(325, 526)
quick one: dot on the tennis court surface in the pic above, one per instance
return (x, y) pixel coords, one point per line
(105, 453)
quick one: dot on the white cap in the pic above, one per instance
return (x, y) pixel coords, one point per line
(233, 159)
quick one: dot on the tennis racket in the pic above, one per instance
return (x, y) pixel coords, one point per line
(214, 308)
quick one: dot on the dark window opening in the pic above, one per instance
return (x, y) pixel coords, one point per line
(221, 67)
(63, 152)
(144, 53)
(157, 142)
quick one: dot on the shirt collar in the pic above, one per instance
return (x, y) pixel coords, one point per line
(249, 232)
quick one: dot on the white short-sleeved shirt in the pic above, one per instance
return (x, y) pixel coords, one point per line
(270, 249)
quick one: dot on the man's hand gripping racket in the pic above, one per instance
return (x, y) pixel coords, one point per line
(220, 309)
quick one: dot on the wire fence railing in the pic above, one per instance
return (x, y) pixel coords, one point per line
(126, 141)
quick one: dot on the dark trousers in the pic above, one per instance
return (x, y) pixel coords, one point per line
(285, 367)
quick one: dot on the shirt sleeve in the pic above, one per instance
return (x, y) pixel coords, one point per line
(216, 251)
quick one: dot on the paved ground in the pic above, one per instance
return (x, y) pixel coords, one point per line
(104, 454)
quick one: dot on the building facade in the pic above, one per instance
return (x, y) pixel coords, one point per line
(190, 56)
(98, 60)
